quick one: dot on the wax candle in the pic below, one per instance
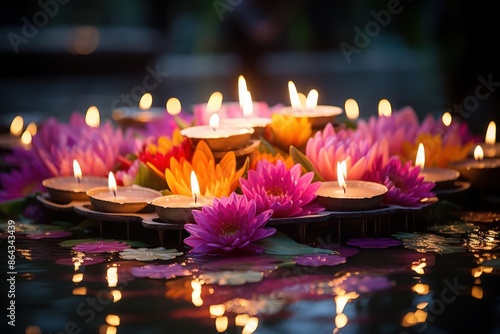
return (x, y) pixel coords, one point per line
(443, 178)
(349, 195)
(65, 189)
(484, 173)
(115, 199)
(179, 208)
(138, 117)
(318, 115)
(219, 137)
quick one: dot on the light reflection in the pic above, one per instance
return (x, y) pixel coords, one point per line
(477, 292)
(117, 295)
(112, 276)
(26, 253)
(250, 326)
(196, 294)
(421, 289)
(221, 324)
(241, 319)
(113, 320)
(80, 291)
(341, 320)
(418, 266)
(217, 310)
(77, 278)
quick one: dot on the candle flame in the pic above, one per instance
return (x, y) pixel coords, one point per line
(342, 174)
(195, 187)
(247, 105)
(173, 106)
(420, 158)
(294, 96)
(26, 138)
(351, 109)
(112, 184)
(92, 117)
(491, 133)
(31, 128)
(242, 90)
(384, 108)
(446, 119)
(214, 102)
(146, 101)
(312, 99)
(478, 153)
(77, 171)
(16, 127)
(213, 122)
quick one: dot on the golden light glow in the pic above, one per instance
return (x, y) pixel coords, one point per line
(476, 272)
(477, 292)
(195, 186)
(478, 153)
(77, 171)
(241, 319)
(214, 102)
(446, 119)
(80, 291)
(146, 101)
(418, 267)
(341, 320)
(491, 133)
(32, 330)
(173, 106)
(420, 158)
(384, 108)
(217, 310)
(83, 40)
(31, 128)
(342, 174)
(111, 330)
(92, 117)
(242, 90)
(196, 294)
(113, 320)
(342, 299)
(17, 125)
(250, 326)
(77, 278)
(221, 324)
(421, 289)
(247, 105)
(351, 109)
(294, 96)
(213, 122)
(117, 295)
(312, 99)
(112, 183)
(26, 138)
(112, 276)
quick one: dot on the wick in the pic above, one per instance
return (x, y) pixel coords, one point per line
(114, 193)
(195, 198)
(78, 179)
(344, 188)
(213, 128)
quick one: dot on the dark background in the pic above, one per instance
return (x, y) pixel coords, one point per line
(429, 55)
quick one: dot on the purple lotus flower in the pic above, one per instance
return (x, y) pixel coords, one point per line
(49, 234)
(285, 191)
(160, 271)
(373, 242)
(230, 224)
(100, 247)
(317, 260)
(405, 186)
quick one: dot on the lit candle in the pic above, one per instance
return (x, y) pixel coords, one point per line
(446, 119)
(179, 208)
(114, 199)
(384, 108)
(349, 195)
(219, 137)
(13, 139)
(491, 147)
(92, 117)
(351, 109)
(443, 178)
(481, 173)
(65, 189)
(138, 117)
(318, 115)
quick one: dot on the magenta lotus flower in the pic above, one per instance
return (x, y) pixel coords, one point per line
(285, 191)
(327, 147)
(23, 180)
(230, 224)
(405, 186)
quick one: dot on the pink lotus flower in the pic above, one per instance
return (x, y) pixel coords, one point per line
(405, 186)
(230, 224)
(285, 191)
(103, 246)
(327, 147)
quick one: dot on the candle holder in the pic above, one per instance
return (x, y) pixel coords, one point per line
(359, 195)
(318, 116)
(65, 189)
(132, 199)
(135, 117)
(220, 138)
(443, 178)
(481, 173)
(258, 124)
(241, 154)
(178, 209)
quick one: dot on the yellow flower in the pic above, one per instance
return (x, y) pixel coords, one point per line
(286, 131)
(165, 144)
(215, 180)
(258, 156)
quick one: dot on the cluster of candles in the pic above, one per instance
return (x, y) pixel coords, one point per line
(224, 132)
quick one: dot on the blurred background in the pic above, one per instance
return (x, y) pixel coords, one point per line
(62, 56)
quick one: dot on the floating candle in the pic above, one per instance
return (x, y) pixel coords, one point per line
(179, 208)
(65, 189)
(219, 137)
(443, 178)
(481, 173)
(138, 117)
(349, 195)
(115, 199)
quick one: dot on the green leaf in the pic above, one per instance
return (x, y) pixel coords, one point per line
(147, 178)
(182, 124)
(13, 207)
(300, 158)
(266, 147)
(281, 244)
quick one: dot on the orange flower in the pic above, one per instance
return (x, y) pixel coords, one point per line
(215, 180)
(273, 158)
(285, 131)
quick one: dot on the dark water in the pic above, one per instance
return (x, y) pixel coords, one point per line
(426, 285)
